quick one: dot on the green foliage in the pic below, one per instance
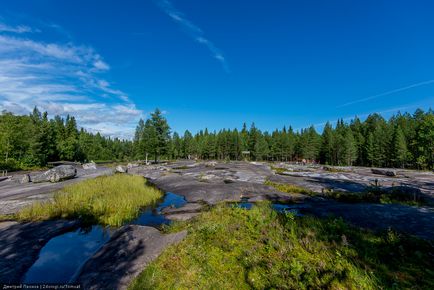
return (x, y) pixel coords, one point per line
(33, 140)
(402, 141)
(107, 200)
(234, 248)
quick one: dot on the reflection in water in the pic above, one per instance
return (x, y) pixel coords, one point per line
(153, 216)
(63, 255)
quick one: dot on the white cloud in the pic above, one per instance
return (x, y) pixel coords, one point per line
(194, 31)
(100, 65)
(16, 29)
(424, 83)
(62, 78)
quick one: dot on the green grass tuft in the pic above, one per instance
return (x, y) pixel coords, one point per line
(234, 248)
(278, 170)
(288, 188)
(107, 200)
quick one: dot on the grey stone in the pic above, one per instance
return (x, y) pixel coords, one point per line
(25, 179)
(90, 165)
(387, 172)
(56, 174)
(188, 208)
(125, 256)
(121, 169)
(182, 216)
(132, 165)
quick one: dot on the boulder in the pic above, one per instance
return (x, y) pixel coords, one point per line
(90, 165)
(24, 178)
(121, 169)
(387, 172)
(56, 174)
(132, 165)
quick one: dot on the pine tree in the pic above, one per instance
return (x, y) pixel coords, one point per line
(399, 147)
(162, 134)
(138, 138)
(261, 150)
(327, 146)
(350, 148)
(369, 149)
(425, 141)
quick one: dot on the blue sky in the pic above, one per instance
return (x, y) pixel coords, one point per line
(215, 64)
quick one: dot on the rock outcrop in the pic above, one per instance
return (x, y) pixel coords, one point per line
(56, 174)
(127, 253)
(387, 172)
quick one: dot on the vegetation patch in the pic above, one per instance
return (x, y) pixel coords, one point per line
(107, 200)
(235, 248)
(181, 167)
(279, 170)
(335, 169)
(288, 188)
(375, 194)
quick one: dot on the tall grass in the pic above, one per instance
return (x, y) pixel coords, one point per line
(234, 248)
(107, 200)
(288, 188)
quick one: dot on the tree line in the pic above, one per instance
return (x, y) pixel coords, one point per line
(34, 140)
(403, 141)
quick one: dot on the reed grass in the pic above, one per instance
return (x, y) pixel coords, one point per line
(107, 200)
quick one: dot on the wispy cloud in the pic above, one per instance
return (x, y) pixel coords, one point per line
(387, 93)
(16, 29)
(62, 78)
(193, 31)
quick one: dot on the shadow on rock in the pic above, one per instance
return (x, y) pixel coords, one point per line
(20, 244)
(127, 253)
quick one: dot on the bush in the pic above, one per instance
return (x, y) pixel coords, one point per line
(10, 165)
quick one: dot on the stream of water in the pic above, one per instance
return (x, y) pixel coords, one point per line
(62, 257)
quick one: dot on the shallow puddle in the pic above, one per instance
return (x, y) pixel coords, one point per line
(153, 216)
(62, 257)
(288, 208)
(282, 208)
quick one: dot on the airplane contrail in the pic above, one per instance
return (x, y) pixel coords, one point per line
(388, 93)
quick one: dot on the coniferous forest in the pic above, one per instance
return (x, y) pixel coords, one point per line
(403, 141)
